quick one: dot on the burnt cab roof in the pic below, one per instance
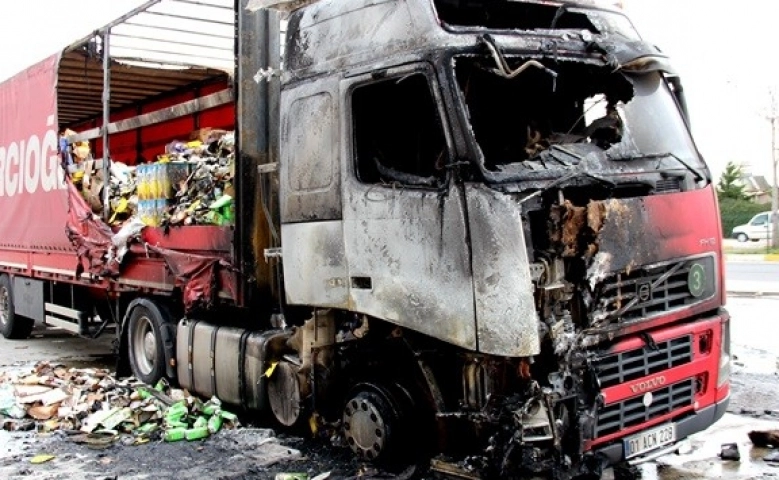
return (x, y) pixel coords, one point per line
(332, 34)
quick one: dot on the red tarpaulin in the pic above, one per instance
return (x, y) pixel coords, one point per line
(33, 193)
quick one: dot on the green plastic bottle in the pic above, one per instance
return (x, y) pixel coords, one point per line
(175, 434)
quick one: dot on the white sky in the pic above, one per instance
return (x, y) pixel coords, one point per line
(721, 48)
(723, 51)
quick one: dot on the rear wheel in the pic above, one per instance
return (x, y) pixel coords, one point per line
(12, 326)
(742, 237)
(146, 344)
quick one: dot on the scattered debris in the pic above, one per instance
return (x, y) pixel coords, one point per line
(626, 471)
(291, 476)
(730, 452)
(765, 438)
(18, 425)
(43, 412)
(100, 408)
(8, 404)
(41, 459)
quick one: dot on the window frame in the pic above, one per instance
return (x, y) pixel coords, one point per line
(760, 217)
(374, 76)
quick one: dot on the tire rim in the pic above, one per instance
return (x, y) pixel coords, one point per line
(144, 345)
(5, 305)
(365, 426)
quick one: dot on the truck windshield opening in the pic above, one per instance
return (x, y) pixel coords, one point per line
(537, 122)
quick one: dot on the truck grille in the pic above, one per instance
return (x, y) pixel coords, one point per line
(668, 185)
(623, 367)
(649, 291)
(632, 412)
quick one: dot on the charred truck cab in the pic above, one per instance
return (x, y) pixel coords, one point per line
(506, 233)
(472, 231)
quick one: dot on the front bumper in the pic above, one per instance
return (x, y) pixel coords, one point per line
(697, 422)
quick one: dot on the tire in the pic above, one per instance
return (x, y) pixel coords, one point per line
(146, 344)
(12, 326)
(742, 237)
(377, 423)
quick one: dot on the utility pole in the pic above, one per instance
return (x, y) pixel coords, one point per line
(774, 189)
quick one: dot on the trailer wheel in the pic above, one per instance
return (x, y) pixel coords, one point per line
(12, 326)
(146, 344)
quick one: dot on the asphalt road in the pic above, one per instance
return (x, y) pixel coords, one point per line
(752, 276)
(752, 271)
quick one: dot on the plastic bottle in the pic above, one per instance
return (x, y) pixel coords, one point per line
(140, 181)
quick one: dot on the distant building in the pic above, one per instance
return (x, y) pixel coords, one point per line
(757, 188)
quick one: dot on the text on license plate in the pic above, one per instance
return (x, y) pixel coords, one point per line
(649, 440)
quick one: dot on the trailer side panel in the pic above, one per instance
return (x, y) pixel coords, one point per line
(33, 196)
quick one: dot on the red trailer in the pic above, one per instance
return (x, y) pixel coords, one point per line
(154, 76)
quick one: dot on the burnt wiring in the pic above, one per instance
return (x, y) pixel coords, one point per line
(506, 72)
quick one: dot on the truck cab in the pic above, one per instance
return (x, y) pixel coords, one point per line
(472, 232)
(516, 181)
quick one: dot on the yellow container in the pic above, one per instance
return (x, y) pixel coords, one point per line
(142, 182)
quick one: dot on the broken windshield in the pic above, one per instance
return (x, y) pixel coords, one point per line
(535, 120)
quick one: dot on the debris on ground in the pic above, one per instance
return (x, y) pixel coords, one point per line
(765, 438)
(41, 459)
(97, 409)
(291, 476)
(730, 452)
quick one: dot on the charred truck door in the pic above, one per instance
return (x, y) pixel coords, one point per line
(404, 219)
(424, 251)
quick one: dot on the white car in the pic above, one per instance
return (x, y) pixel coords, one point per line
(759, 228)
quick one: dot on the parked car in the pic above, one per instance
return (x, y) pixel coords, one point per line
(758, 228)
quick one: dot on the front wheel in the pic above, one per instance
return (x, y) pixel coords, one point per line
(377, 424)
(146, 344)
(12, 326)
(742, 237)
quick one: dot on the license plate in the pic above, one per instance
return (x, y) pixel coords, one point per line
(649, 440)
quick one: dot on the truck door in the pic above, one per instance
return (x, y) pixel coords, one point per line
(404, 223)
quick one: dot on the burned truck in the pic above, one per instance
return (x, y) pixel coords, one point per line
(477, 232)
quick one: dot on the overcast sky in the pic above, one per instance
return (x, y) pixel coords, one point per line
(724, 51)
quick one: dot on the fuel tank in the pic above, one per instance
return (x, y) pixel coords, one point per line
(234, 366)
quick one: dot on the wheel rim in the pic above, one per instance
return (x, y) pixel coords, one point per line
(5, 305)
(366, 424)
(144, 345)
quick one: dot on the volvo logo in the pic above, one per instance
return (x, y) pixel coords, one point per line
(644, 291)
(646, 385)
